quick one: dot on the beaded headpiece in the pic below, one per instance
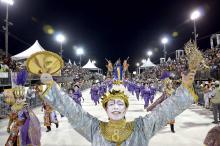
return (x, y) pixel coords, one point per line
(114, 94)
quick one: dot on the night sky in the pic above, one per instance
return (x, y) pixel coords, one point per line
(109, 29)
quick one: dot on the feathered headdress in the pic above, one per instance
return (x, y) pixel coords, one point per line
(165, 75)
(20, 80)
(193, 55)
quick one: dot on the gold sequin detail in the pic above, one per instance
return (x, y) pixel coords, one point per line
(116, 131)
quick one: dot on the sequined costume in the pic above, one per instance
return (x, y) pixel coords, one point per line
(49, 115)
(143, 127)
(153, 92)
(137, 90)
(77, 96)
(131, 87)
(25, 129)
(24, 126)
(146, 94)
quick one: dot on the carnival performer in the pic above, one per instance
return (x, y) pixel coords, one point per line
(168, 91)
(24, 126)
(137, 89)
(153, 92)
(110, 68)
(146, 94)
(50, 116)
(95, 93)
(125, 67)
(131, 87)
(125, 83)
(77, 95)
(117, 131)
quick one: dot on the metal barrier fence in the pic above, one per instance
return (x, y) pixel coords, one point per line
(32, 102)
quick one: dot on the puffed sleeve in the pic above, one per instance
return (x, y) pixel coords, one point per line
(82, 122)
(168, 109)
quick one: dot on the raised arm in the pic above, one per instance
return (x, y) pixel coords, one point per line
(168, 109)
(81, 121)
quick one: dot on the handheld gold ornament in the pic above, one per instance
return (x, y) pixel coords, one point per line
(44, 62)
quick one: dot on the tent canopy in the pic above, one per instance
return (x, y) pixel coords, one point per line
(147, 63)
(90, 65)
(36, 47)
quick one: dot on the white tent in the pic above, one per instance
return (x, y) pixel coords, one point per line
(90, 65)
(74, 63)
(69, 62)
(36, 47)
(147, 63)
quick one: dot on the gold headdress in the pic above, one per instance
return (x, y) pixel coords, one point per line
(114, 94)
(193, 55)
(19, 91)
(9, 96)
(44, 62)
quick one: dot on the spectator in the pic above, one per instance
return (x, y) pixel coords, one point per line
(213, 137)
(216, 103)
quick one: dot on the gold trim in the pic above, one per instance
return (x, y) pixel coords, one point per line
(114, 95)
(192, 92)
(116, 131)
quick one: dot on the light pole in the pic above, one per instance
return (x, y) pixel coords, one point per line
(138, 68)
(164, 41)
(60, 38)
(149, 53)
(7, 23)
(79, 52)
(195, 15)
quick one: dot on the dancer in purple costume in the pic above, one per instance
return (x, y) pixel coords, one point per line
(153, 92)
(129, 86)
(24, 126)
(146, 94)
(77, 95)
(137, 90)
(142, 89)
(125, 82)
(102, 90)
(132, 87)
(95, 93)
(110, 85)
